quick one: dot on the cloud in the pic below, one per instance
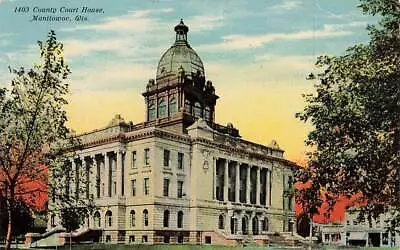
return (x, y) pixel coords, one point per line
(344, 26)
(112, 76)
(238, 42)
(204, 22)
(286, 5)
(134, 21)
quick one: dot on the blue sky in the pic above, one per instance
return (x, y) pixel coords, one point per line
(257, 53)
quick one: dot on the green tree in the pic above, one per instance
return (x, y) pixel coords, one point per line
(33, 132)
(355, 113)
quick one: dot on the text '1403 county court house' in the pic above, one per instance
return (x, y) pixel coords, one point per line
(179, 177)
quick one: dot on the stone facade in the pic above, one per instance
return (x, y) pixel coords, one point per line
(179, 177)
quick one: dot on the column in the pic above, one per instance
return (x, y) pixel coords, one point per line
(239, 223)
(226, 173)
(258, 183)
(237, 182)
(101, 174)
(215, 178)
(119, 173)
(107, 175)
(85, 177)
(92, 176)
(268, 182)
(248, 185)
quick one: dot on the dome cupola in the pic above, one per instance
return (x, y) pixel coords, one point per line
(180, 57)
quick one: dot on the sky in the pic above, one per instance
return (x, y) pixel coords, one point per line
(256, 53)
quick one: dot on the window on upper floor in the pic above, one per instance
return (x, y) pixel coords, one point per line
(207, 113)
(188, 107)
(166, 187)
(162, 107)
(146, 156)
(173, 106)
(166, 157)
(180, 189)
(180, 160)
(133, 187)
(134, 159)
(146, 186)
(198, 112)
(151, 112)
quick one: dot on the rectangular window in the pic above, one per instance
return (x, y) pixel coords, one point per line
(134, 165)
(166, 187)
(180, 189)
(133, 187)
(180, 160)
(115, 187)
(146, 187)
(146, 156)
(166, 158)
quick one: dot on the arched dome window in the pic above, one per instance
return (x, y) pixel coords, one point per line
(152, 111)
(108, 218)
(173, 106)
(162, 108)
(97, 219)
(198, 112)
(207, 113)
(188, 107)
(133, 218)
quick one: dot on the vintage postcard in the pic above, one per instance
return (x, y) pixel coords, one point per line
(185, 112)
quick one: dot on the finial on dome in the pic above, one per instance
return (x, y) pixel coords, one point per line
(181, 32)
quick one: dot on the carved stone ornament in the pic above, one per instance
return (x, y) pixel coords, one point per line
(206, 155)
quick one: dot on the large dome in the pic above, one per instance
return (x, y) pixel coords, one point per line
(180, 56)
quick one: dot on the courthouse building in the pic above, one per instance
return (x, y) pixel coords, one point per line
(179, 177)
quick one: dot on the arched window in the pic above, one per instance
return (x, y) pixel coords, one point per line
(145, 217)
(97, 219)
(245, 225)
(265, 224)
(108, 218)
(188, 107)
(166, 218)
(198, 112)
(133, 219)
(234, 225)
(221, 224)
(180, 219)
(254, 223)
(173, 107)
(162, 108)
(152, 111)
(207, 113)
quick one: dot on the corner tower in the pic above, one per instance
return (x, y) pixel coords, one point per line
(180, 93)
